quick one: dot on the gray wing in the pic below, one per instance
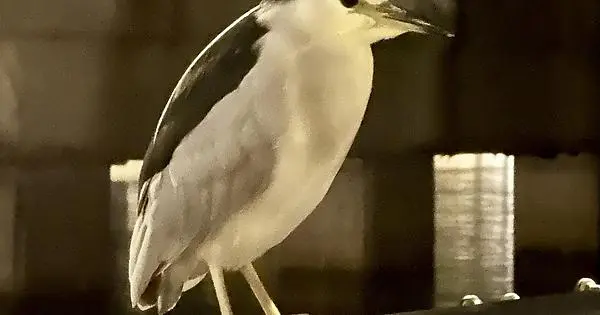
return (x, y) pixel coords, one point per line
(219, 167)
(216, 71)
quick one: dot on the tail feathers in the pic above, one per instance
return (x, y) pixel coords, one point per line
(169, 294)
(148, 299)
(165, 289)
(175, 280)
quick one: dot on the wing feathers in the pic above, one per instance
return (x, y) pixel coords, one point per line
(219, 168)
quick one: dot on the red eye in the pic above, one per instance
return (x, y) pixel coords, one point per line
(349, 3)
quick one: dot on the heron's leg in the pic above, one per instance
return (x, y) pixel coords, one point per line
(259, 290)
(216, 274)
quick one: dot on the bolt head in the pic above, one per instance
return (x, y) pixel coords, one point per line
(510, 296)
(470, 300)
(586, 284)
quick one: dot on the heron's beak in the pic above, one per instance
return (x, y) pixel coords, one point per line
(388, 13)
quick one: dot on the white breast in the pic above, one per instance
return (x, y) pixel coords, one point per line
(323, 105)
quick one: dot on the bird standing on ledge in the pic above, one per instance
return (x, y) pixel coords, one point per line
(265, 155)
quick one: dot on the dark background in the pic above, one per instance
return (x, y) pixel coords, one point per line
(83, 83)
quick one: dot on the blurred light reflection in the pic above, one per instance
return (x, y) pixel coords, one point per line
(474, 226)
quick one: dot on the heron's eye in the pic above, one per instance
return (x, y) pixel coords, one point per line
(349, 3)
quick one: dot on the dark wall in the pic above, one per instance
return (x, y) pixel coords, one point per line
(523, 77)
(518, 78)
(90, 78)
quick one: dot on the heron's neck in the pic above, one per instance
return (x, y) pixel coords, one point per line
(319, 87)
(308, 19)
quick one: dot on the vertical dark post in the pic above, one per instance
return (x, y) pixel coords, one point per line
(400, 234)
(8, 278)
(54, 177)
(63, 238)
(556, 215)
(597, 273)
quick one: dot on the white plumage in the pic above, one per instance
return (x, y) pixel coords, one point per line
(263, 158)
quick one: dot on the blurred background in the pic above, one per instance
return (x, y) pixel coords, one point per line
(475, 171)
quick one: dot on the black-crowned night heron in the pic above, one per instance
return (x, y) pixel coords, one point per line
(217, 193)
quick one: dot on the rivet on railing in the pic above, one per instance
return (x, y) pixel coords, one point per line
(470, 300)
(510, 296)
(587, 285)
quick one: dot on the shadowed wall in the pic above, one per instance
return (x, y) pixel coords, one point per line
(89, 79)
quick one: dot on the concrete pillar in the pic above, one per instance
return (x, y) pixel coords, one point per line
(63, 239)
(399, 223)
(598, 215)
(8, 278)
(556, 223)
(8, 186)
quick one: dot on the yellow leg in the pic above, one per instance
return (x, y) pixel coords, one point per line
(259, 290)
(219, 283)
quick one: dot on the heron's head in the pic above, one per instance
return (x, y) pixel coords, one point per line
(378, 19)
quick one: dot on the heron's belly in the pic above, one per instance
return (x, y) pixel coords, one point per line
(267, 222)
